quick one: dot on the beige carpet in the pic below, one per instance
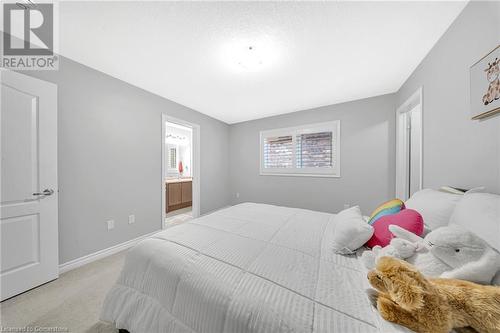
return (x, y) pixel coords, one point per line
(73, 301)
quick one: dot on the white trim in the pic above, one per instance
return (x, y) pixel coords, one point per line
(196, 161)
(72, 264)
(163, 169)
(415, 100)
(303, 129)
(321, 175)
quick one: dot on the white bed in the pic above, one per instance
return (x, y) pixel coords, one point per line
(247, 268)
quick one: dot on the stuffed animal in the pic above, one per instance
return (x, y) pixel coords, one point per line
(452, 252)
(398, 248)
(405, 297)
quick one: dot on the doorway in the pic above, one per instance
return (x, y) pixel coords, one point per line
(409, 145)
(180, 171)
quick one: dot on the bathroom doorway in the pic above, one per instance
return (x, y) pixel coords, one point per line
(180, 171)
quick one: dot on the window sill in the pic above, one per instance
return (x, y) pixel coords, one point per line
(319, 175)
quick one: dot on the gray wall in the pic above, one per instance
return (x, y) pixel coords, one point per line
(110, 132)
(110, 158)
(457, 150)
(367, 159)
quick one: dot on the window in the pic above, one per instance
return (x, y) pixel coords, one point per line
(278, 152)
(172, 158)
(309, 150)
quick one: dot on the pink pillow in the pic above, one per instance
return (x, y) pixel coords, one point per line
(408, 219)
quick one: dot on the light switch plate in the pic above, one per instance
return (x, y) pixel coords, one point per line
(131, 219)
(111, 224)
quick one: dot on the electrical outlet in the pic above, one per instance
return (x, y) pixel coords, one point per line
(111, 224)
(237, 194)
(131, 219)
(346, 205)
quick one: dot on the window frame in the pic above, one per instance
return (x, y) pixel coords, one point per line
(329, 126)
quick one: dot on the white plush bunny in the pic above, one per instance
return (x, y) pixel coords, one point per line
(452, 252)
(398, 248)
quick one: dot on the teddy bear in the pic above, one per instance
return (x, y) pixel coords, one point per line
(398, 248)
(404, 296)
(452, 252)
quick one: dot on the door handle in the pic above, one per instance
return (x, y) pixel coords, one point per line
(45, 193)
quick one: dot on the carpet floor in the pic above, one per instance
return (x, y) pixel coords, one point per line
(71, 303)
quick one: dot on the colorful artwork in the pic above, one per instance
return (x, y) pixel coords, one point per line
(492, 75)
(485, 85)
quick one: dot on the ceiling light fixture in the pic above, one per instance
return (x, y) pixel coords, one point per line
(251, 54)
(250, 59)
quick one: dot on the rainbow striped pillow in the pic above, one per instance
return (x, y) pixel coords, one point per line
(390, 207)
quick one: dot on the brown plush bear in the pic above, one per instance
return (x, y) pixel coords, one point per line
(404, 296)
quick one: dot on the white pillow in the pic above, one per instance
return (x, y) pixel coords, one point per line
(496, 280)
(480, 214)
(436, 207)
(351, 231)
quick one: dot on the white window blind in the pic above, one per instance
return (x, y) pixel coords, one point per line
(172, 158)
(278, 152)
(312, 150)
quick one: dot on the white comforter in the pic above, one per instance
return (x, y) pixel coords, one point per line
(247, 268)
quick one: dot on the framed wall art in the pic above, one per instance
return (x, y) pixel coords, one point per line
(485, 85)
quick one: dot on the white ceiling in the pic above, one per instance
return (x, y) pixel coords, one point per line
(312, 53)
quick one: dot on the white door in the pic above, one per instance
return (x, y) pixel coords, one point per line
(409, 172)
(415, 147)
(28, 199)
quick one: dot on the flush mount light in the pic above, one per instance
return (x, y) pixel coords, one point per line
(253, 54)
(250, 59)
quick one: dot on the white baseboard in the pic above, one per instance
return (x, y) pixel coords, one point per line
(75, 263)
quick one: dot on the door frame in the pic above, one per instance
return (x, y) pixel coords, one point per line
(196, 174)
(402, 149)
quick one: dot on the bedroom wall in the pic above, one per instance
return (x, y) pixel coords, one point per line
(110, 158)
(457, 150)
(367, 159)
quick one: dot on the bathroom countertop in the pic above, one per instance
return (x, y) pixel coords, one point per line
(178, 180)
